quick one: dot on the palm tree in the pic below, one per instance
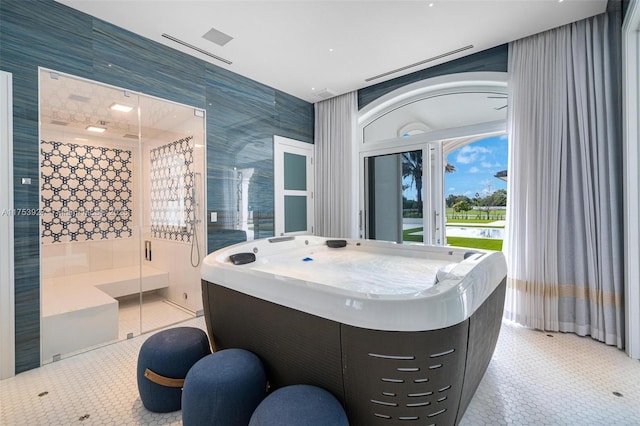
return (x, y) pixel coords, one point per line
(412, 167)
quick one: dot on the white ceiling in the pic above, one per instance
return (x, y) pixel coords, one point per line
(302, 47)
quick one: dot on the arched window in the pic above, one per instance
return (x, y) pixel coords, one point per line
(404, 139)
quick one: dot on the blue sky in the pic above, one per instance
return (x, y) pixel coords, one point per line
(476, 164)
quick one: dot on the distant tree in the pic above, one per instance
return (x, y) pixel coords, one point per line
(462, 206)
(452, 199)
(500, 197)
(483, 204)
(449, 168)
(487, 203)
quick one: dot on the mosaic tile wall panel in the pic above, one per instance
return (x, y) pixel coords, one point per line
(86, 192)
(172, 201)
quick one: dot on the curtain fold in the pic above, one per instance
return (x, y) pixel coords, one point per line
(564, 240)
(336, 200)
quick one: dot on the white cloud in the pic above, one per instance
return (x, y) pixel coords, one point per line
(486, 165)
(469, 154)
(474, 170)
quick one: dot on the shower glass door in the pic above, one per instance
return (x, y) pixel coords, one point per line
(173, 227)
(89, 202)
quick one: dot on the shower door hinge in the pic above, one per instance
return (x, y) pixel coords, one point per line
(198, 112)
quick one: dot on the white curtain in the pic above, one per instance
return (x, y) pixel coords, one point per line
(336, 197)
(565, 239)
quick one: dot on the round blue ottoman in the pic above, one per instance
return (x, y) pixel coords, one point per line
(223, 389)
(163, 363)
(300, 405)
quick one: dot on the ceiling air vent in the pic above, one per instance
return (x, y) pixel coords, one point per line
(197, 49)
(217, 37)
(324, 93)
(59, 123)
(443, 55)
(130, 136)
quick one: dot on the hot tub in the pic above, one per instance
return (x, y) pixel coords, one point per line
(395, 332)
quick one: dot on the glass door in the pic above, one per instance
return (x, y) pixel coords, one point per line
(122, 229)
(402, 203)
(172, 197)
(89, 199)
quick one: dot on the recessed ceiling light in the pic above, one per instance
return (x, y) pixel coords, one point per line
(330, 49)
(430, 4)
(96, 129)
(120, 107)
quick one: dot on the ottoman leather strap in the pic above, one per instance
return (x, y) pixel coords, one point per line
(162, 380)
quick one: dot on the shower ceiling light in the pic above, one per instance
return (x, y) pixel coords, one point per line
(120, 107)
(96, 129)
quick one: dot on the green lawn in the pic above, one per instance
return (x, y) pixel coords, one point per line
(480, 243)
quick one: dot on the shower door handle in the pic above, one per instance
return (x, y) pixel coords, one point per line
(147, 250)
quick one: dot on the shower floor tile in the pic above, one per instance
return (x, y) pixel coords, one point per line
(534, 378)
(156, 313)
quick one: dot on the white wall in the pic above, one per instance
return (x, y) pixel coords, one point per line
(631, 120)
(7, 322)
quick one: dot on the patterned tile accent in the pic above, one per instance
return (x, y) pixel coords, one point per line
(86, 192)
(172, 180)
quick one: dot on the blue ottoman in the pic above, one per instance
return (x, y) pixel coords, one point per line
(163, 363)
(223, 389)
(300, 405)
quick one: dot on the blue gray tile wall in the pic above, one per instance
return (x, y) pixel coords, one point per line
(242, 117)
(494, 59)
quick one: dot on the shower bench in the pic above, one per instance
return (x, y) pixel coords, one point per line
(80, 310)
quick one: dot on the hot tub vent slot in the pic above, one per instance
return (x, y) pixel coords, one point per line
(397, 357)
(436, 413)
(425, 380)
(419, 404)
(444, 388)
(435, 366)
(450, 351)
(382, 416)
(417, 395)
(392, 380)
(408, 369)
(388, 404)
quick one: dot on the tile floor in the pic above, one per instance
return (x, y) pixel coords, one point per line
(535, 378)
